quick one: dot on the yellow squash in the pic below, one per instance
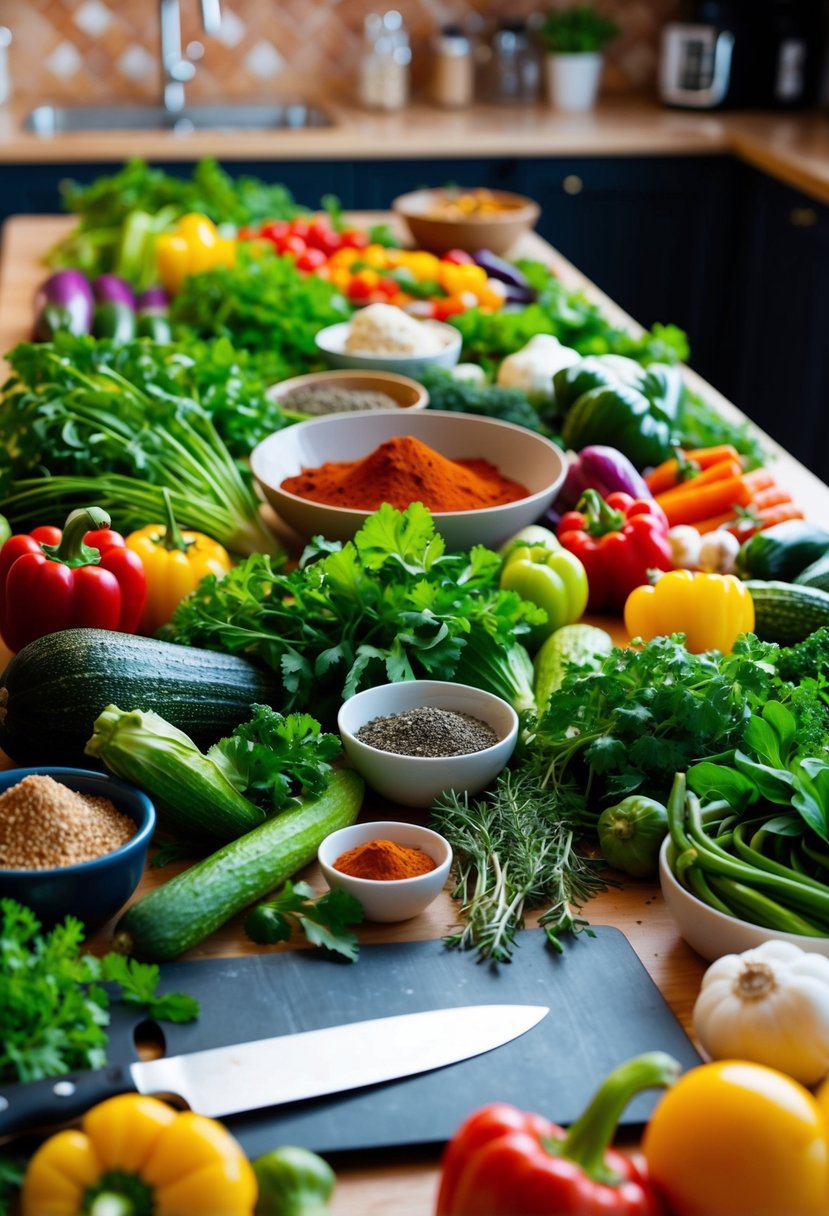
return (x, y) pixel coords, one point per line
(174, 563)
(139, 1157)
(712, 610)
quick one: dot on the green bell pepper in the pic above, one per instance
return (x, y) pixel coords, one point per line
(293, 1182)
(620, 417)
(631, 833)
(553, 579)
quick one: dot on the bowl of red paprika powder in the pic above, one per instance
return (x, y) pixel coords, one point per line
(394, 869)
(483, 480)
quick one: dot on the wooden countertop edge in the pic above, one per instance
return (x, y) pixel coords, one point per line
(791, 147)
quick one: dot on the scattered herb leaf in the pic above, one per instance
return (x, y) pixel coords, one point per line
(324, 920)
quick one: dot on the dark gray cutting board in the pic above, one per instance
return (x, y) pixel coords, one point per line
(604, 1008)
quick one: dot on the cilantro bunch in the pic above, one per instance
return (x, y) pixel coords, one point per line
(647, 714)
(55, 1009)
(390, 605)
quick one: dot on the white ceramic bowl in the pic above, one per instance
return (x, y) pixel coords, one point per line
(408, 394)
(331, 342)
(517, 453)
(713, 934)
(397, 899)
(418, 780)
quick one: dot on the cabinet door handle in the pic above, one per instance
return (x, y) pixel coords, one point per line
(572, 184)
(803, 217)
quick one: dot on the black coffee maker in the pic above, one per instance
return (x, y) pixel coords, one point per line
(743, 53)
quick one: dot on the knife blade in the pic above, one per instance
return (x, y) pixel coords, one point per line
(288, 1068)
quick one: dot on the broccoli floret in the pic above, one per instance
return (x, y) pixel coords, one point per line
(808, 660)
(506, 404)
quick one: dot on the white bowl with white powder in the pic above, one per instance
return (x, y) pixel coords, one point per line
(383, 337)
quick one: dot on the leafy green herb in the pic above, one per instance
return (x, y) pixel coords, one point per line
(271, 758)
(83, 422)
(138, 983)
(324, 920)
(265, 305)
(515, 849)
(648, 714)
(390, 605)
(808, 661)
(55, 1010)
(578, 29)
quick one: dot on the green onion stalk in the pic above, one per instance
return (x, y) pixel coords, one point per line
(181, 451)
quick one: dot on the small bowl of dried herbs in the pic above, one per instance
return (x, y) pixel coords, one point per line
(72, 842)
(417, 739)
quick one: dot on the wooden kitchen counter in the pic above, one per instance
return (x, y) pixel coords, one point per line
(407, 1187)
(791, 147)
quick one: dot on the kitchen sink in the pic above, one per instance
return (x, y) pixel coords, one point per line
(52, 120)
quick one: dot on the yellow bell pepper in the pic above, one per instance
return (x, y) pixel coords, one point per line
(193, 246)
(739, 1139)
(710, 609)
(174, 563)
(138, 1157)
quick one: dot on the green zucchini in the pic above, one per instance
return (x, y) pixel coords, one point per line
(572, 644)
(816, 575)
(786, 612)
(178, 915)
(781, 552)
(53, 690)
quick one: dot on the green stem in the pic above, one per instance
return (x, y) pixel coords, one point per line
(590, 1136)
(599, 518)
(173, 538)
(71, 551)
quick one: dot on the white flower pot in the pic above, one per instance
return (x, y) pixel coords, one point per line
(573, 80)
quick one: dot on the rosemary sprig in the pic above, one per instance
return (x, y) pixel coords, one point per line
(515, 849)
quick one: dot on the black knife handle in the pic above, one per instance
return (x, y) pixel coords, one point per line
(38, 1104)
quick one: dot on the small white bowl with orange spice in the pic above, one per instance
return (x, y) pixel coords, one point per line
(387, 848)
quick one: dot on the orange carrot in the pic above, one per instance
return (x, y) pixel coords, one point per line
(667, 475)
(715, 522)
(716, 472)
(772, 497)
(708, 500)
(759, 479)
(779, 514)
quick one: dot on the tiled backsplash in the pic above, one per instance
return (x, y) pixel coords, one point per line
(98, 49)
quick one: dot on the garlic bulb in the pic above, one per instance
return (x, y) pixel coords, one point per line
(769, 1005)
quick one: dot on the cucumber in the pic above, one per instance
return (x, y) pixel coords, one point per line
(179, 914)
(53, 690)
(787, 612)
(580, 644)
(781, 552)
(816, 575)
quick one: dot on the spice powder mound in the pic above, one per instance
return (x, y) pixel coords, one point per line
(44, 825)
(401, 471)
(426, 730)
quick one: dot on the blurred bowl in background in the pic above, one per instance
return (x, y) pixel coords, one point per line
(331, 342)
(436, 221)
(405, 392)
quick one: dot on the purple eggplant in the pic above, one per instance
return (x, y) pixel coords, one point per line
(599, 468)
(153, 300)
(63, 303)
(497, 268)
(109, 289)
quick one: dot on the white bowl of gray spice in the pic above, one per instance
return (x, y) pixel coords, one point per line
(72, 842)
(417, 739)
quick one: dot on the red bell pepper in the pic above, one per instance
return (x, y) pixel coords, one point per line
(502, 1162)
(618, 539)
(51, 580)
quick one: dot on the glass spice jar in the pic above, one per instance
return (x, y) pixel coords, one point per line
(453, 69)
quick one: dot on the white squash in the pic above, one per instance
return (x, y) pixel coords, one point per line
(769, 1005)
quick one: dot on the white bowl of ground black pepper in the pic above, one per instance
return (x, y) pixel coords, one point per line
(417, 739)
(72, 842)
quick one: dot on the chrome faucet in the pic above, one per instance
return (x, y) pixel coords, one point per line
(176, 68)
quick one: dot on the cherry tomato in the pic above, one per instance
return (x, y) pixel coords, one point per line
(359, 289)
(292, 244)
(459, 256)
(353, 238)
(447, 308)
(275, 230)
(320, 233)
(311, 259)
(388, 287)
(300, 228)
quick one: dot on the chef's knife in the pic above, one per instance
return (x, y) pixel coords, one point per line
(289, 1068)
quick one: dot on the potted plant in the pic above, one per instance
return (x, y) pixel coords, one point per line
(575, 38)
